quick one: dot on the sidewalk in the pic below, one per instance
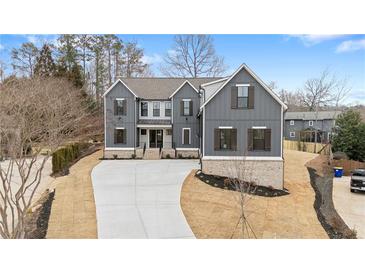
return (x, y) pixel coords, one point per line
(73, 214)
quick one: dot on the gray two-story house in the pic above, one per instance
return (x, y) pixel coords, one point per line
(305, 125)
(233, 124)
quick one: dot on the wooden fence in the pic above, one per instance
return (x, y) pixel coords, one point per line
(306, 146)
(348, 165)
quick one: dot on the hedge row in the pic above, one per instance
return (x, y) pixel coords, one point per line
(63, 157)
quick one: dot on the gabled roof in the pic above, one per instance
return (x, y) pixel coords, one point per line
(311, 115)
(160, 88)
(244, 66)
(183, 84)
(115, 83)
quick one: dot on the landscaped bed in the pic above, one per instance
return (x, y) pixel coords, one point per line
(228, 184)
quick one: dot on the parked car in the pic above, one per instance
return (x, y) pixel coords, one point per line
(357, 180)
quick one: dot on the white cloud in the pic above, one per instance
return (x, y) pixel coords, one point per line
(152, 59)
(32, 39)
(313, 39)
(1, 47)
(351, 45)
(172, 52)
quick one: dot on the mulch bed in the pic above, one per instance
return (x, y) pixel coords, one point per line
(224, 183)
(37, 220)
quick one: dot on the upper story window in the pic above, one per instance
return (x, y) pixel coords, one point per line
(310, 123)
(168, 109)
(156, 109)
(120, 106)
(186, 107)
(242, 97)
(292, 122)
(144, 108)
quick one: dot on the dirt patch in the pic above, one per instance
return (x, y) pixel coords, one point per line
(226, 183)
(37, 220)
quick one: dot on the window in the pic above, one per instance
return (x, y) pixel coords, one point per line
(310, 123)
(186, 136)
(186, 107)
(292, 122)
(292, 134)
(144, 109)
(143, 131)
(168, 109)
(156, 109)
(120, 136)
(242, 97)
(168, 132)
(259, 139)
(225, 139)
(120, 106)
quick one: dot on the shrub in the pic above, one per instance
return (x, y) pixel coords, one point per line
(179, 156)
(63, 157)
(340, 156)
(168, 156)
(133, 156)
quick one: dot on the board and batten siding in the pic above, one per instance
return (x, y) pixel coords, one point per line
(266, 113)
(180, 122)
(126, 121)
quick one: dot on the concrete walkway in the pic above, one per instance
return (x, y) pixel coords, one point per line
(141, 199)
(350, 206)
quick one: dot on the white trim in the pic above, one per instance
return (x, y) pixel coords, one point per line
(310, 123)
(292, 122)
(255, 77)
(281, 131)
(292, 134)
(186, 81)
(243, 85)
(119, 148)
(225, 127)
(214, 82)
(104, 122)
(263, 127)
(115, 83)
(187, 100)
(203, 148)
(240, 158)
(182, 134)
(153, 126)
(119, 127)
(190, 149)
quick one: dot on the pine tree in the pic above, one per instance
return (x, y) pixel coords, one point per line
(45, 65)
(132, 63)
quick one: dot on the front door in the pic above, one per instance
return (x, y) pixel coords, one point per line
(156, 138)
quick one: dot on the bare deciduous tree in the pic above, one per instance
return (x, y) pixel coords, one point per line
(35, 114)
(24, 59)
(193, 56)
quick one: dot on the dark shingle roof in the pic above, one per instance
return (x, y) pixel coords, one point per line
(161, 88)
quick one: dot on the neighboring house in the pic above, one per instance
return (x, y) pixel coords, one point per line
(234, 124)
(303, 125)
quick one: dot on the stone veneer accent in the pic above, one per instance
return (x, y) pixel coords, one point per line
(139, 153)
(187, 153)
(169, 151)
(263, 172)
(122, 154)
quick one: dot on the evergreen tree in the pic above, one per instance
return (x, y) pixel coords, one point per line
(350, 135)
(45, 65)
(132, 63)
(67, 50)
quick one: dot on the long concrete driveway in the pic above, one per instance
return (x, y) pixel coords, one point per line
(141, 198)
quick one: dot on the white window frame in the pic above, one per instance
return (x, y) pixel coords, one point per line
(159, 108)
(182, 135)
(186, 100)
(142, 102)
(311, 123)
(292, 122)
(292, 134)
(168, 102)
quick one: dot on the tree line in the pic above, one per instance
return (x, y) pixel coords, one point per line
(91, 62)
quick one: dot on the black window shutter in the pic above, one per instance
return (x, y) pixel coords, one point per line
(234, 94)
(115, 107)
(125, 107)
(234, 139)
(191, 108)
(181, 108)
(216, 139)
(115, 136)
(267, 139)
(251, 97)
(250, 139)
(124, 136)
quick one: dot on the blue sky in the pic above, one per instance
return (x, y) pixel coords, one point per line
(287, 59)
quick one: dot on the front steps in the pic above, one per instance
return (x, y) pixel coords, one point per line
(152, 154)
